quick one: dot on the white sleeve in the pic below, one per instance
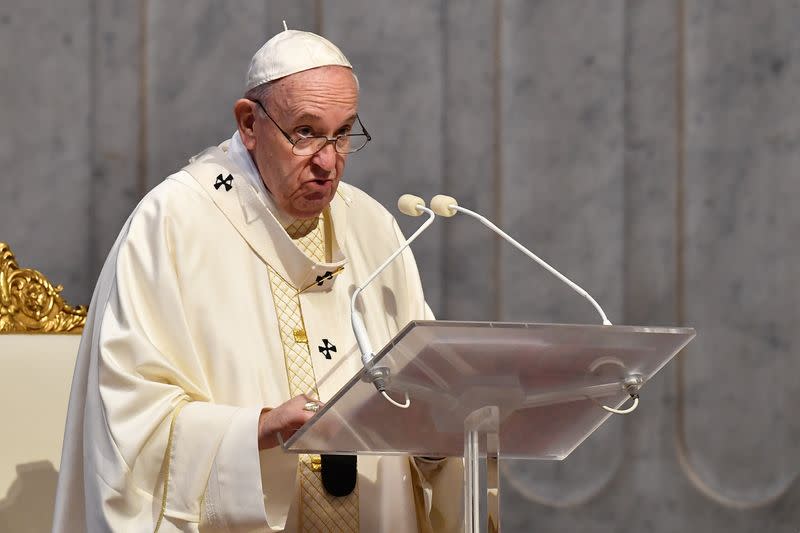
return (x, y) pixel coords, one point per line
(160, 418)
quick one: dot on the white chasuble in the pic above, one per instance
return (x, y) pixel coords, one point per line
(183, 348)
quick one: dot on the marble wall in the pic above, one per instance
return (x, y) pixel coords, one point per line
(646, 147)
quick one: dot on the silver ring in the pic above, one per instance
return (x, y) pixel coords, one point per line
(311, 406)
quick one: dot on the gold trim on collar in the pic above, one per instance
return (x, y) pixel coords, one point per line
(29, 303)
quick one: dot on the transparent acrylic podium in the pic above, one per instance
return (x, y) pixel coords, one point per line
(476, 389)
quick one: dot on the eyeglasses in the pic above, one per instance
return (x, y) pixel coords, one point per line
(346, 143)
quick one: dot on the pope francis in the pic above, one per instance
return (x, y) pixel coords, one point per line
(222, 315)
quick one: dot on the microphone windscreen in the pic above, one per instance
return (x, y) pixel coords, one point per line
(440, 204)
(407, 204)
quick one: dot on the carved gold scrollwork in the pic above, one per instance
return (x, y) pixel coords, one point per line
(29, 303)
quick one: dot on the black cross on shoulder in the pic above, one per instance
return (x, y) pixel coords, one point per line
(321, 279)
(227, 182)
(327, 348)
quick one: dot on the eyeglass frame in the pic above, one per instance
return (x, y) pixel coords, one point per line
(333, 140)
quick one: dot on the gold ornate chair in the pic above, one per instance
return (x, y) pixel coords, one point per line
(39, 338)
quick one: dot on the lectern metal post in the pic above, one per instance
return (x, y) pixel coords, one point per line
(481, 429)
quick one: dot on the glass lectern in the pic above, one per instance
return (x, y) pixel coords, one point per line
(479, 389)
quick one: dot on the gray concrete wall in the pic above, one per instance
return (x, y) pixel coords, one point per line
(647, 147)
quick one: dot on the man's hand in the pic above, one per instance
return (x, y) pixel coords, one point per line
(284, 419)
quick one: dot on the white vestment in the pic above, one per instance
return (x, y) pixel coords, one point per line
(181, 352)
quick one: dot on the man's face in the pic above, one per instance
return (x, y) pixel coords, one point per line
(320, 101)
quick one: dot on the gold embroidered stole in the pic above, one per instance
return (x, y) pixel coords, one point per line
(319, 511)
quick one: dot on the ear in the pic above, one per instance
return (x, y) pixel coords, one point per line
(245, 113)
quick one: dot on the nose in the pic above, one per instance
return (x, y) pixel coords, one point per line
(326, 158)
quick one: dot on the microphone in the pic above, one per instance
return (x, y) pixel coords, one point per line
(412, 206)
(408, 204)
(447, 206)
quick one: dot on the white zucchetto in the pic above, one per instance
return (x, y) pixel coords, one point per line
(289, 52)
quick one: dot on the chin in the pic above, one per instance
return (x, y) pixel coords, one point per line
(312, 208)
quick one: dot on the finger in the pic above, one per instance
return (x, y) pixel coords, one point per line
(297, 418)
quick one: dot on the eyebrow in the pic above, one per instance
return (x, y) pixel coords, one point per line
(310, 117)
